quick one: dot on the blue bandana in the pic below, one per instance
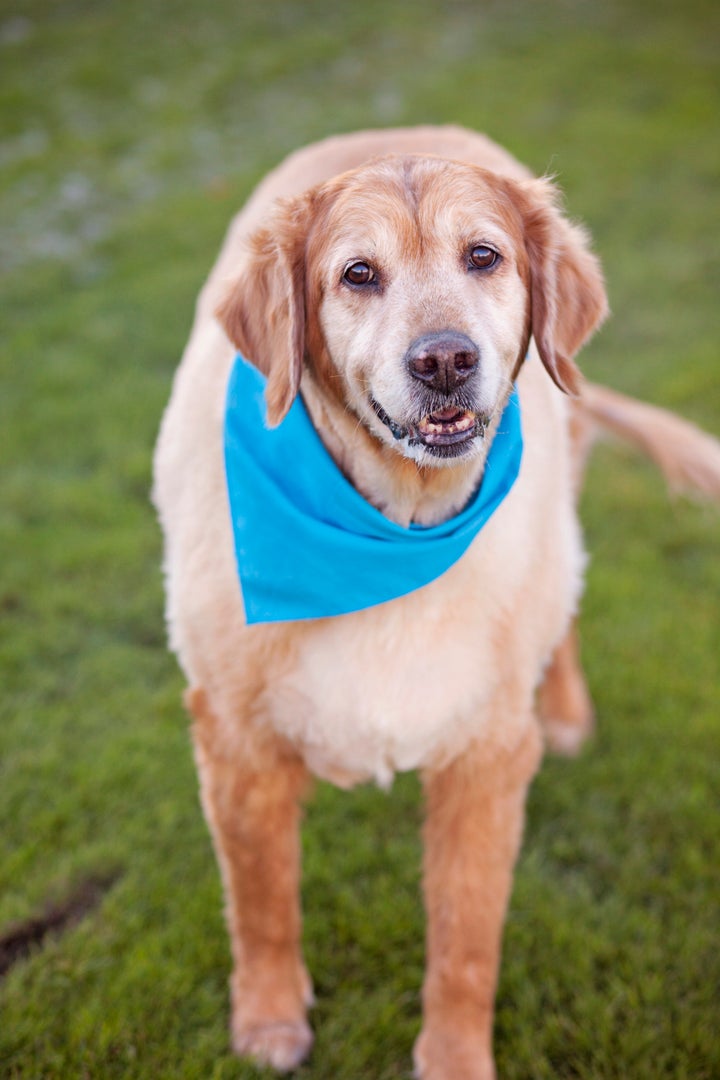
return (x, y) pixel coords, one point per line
(307, 544)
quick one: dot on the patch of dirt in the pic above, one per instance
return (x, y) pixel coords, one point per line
(19, 938)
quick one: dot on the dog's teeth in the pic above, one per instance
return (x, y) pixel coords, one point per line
(434, 424)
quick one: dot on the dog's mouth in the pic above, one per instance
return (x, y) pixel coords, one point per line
(445, 432)
(448, 426)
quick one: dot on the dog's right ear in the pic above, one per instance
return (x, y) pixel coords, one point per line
(263, 313)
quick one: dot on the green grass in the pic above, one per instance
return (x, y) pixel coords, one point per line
(129, 133)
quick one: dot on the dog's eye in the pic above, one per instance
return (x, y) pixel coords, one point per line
(483, 257)
(359, 273)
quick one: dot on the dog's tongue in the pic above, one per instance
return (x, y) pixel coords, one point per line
(447, 415)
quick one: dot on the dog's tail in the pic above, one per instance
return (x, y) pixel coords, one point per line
(688, 457)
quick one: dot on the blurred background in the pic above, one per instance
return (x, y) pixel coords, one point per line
(129, 135)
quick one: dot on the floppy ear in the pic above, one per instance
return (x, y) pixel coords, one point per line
(263, 313)
(568, 297)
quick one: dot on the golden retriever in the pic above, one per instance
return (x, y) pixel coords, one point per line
(401, 282)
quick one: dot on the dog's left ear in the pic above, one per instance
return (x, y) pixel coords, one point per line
(567, 289)
(263, 313)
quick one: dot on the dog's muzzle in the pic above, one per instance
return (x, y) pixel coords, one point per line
(441, 363)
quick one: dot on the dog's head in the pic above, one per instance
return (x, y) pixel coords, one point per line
(411, 288)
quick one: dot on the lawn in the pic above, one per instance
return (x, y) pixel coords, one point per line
(129, 134)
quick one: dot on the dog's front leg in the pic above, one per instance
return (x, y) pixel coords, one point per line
(253, 808)
(475, 810)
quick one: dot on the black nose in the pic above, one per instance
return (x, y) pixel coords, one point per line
(443, 360)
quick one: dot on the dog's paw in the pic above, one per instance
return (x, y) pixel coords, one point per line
(281, 1045)
(449, 1057)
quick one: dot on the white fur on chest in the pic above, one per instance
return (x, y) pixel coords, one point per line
(387, 690)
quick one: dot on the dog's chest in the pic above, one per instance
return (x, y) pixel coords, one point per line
(359, 714)
(398, 687)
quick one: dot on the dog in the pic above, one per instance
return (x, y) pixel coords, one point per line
(421, 298)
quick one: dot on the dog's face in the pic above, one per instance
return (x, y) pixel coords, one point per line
(412, 287)
(421, 280)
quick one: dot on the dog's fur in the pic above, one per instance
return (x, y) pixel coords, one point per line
(446, 679)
